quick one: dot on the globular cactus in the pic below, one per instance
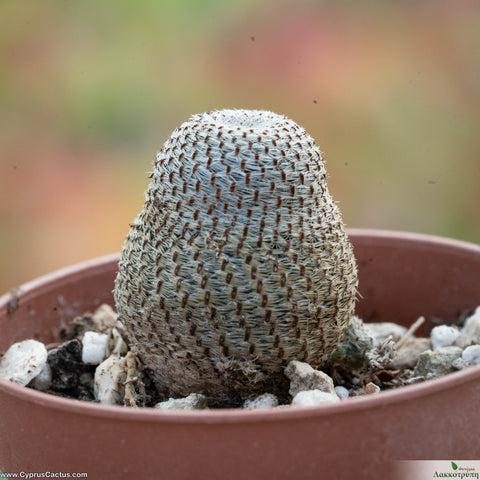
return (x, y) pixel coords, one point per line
(238, 262)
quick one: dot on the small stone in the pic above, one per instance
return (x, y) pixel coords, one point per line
(195, 401)
(43, 381)
(109, 377)
(460, 364)
(105, 318)
(303, 377)
(117, 344)
(472, 354)
(308, 398)
(355, 381)
(94, 347)
(342, 392)
(438, 362)
(267, 400)
(23, 361)
(66, 364)
(470, 333)
(407, 356)
(444, 336)
(369, 388)
(381, 331)
(102, 321)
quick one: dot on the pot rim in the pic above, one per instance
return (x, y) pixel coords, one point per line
(238, 415)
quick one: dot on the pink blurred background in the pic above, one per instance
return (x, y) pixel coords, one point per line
(89, 91)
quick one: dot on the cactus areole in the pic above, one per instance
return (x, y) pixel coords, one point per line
(238, 262)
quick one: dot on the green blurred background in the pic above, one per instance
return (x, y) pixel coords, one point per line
(89, 91)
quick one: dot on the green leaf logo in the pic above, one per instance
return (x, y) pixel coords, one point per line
(454, 465)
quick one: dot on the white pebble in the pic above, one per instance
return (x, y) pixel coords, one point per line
(308, 398)
(381, 331)
(117, 344)
(108, 382)
(104, 318)
(195, 401)
(470, 334)
(342, 392)
(472, 354)
(407, 355)
(444, 336)
(23, 361)
(303, 377)
(266, 400)
(43, 380)
(95, 346)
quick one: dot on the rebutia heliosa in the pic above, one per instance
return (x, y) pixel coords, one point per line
(238, 262)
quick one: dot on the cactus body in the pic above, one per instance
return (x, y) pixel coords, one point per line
(238, 262)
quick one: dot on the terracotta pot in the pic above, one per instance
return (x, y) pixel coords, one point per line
(402, 276)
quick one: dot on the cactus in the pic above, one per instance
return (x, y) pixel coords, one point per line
(238, 262)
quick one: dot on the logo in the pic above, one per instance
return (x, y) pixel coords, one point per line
(458, 471)
(437, 469)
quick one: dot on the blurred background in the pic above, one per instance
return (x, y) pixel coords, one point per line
(89, 91)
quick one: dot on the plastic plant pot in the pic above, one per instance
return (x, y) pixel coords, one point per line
(402, 276)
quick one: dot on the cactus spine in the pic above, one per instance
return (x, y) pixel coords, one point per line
(238, 262)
